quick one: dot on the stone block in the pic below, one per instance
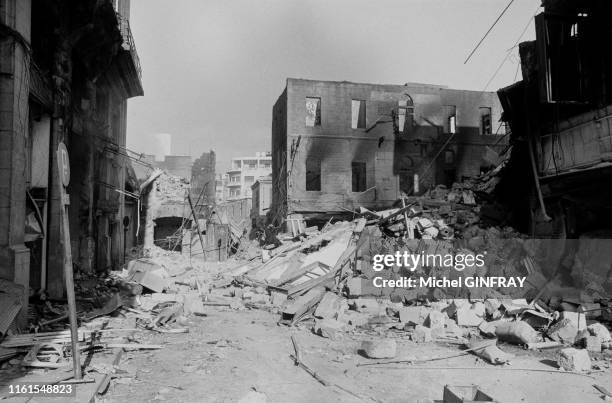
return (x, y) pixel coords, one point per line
(383, 348)
(421, 334)
(563, 331)
(571, 359)
(592, 344)
(355, 318)
(468, 317)
(577, 318)
(329, 328)
(330, 307)
(413, 314)
(599, 330)
(436, 320)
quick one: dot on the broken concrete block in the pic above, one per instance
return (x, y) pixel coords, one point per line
(192, 304)
(479, 308)
(599, 330)
(148, 274)
(413, 315)
(330, 307)
(421, 334)
(435, 320)
(354, 318)
(516, 332)
(564, 331)
(488, 350)
(369, 305)
(592, 344)
(329, 328)
(278, 298)
(492, 308)
(571, 359)
(468, 317)
(383, 348)
(578, 319)
(354, 286)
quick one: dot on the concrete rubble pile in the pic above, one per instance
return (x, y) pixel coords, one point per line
(324, 280)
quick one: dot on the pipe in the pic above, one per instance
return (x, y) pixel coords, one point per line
(536, 179)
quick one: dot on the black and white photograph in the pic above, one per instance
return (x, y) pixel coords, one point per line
(271, 201)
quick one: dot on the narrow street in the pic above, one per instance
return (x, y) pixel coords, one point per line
(270, 201)
(234, 354)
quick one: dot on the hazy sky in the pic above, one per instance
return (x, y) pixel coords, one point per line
(212, 69)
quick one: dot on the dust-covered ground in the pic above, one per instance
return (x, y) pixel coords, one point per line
(244, 355)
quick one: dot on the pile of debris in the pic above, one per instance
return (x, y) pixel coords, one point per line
(325, 279)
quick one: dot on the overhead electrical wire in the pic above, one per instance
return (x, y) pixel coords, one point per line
(488, 31)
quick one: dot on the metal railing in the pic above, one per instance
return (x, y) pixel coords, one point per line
(128, 42)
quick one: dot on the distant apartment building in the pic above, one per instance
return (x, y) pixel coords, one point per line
(243, 173)
(220, 188)
(337, 146)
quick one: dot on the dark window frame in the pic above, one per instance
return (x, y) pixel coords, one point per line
(358, 176)
(313, 175)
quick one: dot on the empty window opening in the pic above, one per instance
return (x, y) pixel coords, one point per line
(485, 121)
(313, 175)
(423, 149)
(451, 122)
(405, 116)
(449, 157)
(358, 170)
(313, 112)
(358, 114)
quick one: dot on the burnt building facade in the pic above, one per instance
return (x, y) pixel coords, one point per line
(340, 145)
(68, 68)
(561, 123)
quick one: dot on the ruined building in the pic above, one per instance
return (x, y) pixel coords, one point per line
(68, 68)
(340, 145)
(203, 185)
(560, 118)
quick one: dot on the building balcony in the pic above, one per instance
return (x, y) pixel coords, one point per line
(233, 184)
(128, 60)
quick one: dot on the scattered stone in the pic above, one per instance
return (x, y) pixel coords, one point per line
(571, 359)
(278, 298)
(368, 305)
(354, 318)
(435, 320)
(578, 319)
(599, 330)
(468, 317)
(329, 328)
(330, 307)
(516, 332)
(564, 331)
(383, 348)
(592, 344)
(492, 308)
(412, 315)
(421, 334)
(192, 304)
(354, 287)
